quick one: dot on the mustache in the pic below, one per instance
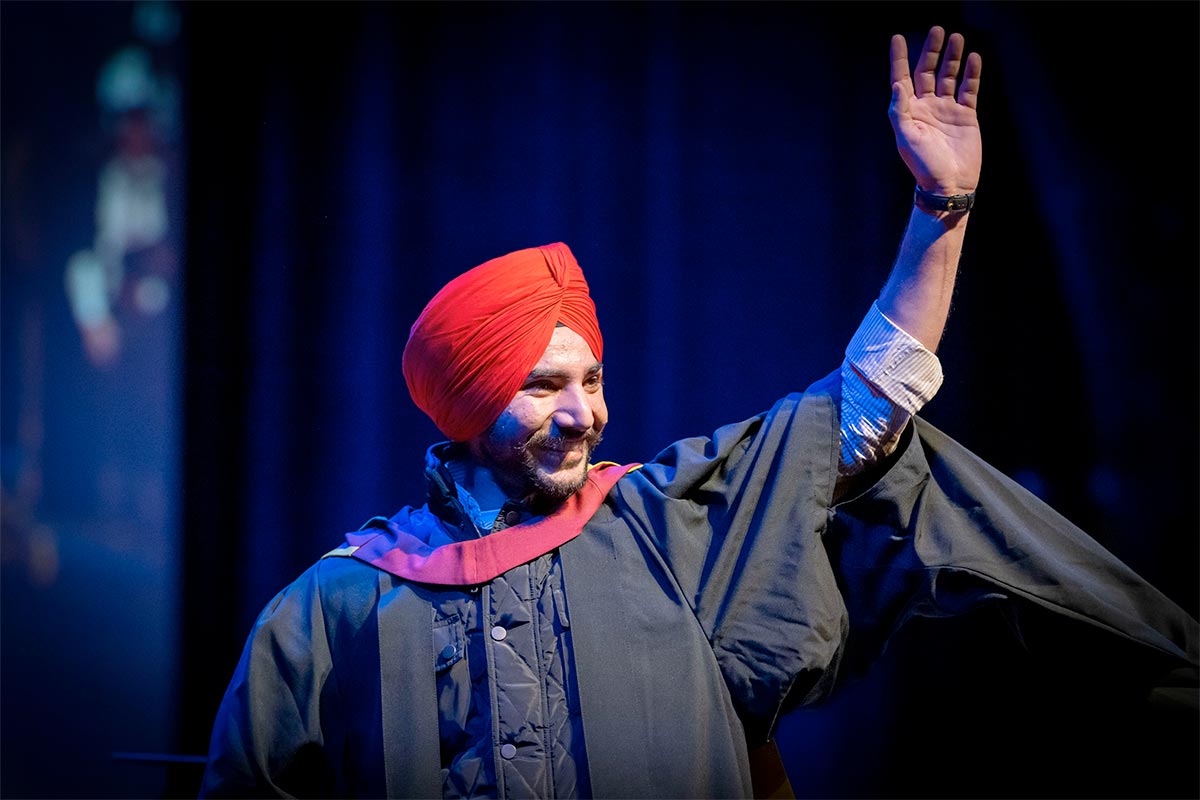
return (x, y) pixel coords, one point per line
(548, 441)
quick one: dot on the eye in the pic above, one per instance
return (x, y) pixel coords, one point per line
(594, 381)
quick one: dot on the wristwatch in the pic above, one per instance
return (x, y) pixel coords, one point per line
(955, 203)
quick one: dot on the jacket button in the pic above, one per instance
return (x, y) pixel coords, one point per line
(508, 750)
(498, 633)
(512, 517)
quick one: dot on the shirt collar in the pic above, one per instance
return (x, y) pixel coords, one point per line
(447, 498)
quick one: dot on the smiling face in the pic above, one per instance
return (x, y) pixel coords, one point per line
(540, 445)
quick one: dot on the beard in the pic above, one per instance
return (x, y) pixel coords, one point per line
(520, 471)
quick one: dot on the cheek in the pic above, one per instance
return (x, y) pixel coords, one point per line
(502, 428)
(599, 411)
(519, 420)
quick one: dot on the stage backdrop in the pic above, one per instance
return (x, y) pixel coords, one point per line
(727, 177)
(91, 303)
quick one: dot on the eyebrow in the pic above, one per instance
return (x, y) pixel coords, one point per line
(556, 373)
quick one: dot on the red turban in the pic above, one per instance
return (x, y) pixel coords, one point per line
(482, 334)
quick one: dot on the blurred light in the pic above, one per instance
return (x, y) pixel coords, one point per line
(151, 295)
(156, 22)
(131, 210)
(87, 288)
(125, 81)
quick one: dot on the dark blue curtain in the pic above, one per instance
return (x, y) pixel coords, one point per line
(726, 175)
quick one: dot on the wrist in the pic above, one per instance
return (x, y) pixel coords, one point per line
(943, 204)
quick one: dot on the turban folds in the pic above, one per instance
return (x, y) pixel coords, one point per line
(477, 340)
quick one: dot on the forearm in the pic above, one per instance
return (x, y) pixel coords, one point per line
(890, 370)
(918, 292)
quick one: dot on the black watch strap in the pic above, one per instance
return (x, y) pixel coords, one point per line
(955, 203)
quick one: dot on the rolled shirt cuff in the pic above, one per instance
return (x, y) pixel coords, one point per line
(899, 367)
(887, 376)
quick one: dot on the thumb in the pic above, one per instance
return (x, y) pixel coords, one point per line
(898, 107)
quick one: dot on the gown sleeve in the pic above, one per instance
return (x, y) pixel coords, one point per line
(736, 520)
(794, 585)
(943, 533)
(268, 737)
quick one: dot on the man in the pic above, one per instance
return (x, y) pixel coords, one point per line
(549, 626)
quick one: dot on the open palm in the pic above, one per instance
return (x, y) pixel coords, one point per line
(933, 113)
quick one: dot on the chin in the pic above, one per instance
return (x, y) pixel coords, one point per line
(560, 484)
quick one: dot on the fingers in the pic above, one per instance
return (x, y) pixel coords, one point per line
(925, 72)
(898, 107)
(947, 77)
(935, 72)
(899, 60)
(968, 92)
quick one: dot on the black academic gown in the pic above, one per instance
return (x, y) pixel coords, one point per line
(717, 586)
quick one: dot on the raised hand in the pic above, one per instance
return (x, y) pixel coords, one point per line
(933, 113)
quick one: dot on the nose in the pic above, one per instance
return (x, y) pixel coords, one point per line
(574, 413)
